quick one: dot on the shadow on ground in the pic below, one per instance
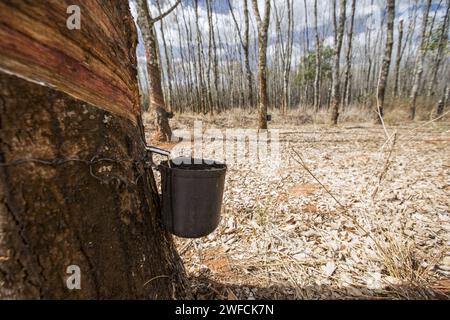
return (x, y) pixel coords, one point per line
(205, 288)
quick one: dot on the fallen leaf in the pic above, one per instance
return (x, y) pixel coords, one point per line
(329, 268)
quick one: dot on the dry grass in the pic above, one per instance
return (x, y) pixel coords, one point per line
(396, 113)
(368, 219)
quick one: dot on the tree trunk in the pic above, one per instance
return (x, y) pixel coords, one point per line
(168, 57)
(245, 47)
(443, 102)
(263, 26)
(335, 89)
(398, 58)
(419, 62)
(384, 72)
(216, 103)
(75, 189)
(305, 7)
(210, 56)
(157, 102)
(318, 62)
(442, 44)
(348, 60)
(287, 54)
(201, 83)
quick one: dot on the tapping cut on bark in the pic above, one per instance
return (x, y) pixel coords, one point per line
(67, 99)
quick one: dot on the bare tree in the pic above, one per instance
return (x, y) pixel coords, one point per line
(167, 56)
(348, 60)
(398, 58)
(368, 52)
(439, 55)
(305, 6)
(283, 54)
(211, 67)
(318, 61)
(384, 72)
(262, 26)
(287, 54)
(147, 25)
(339, 35)
(200, 54)
(443, 102)
(419, 61)
(244, 40)
(210, 57)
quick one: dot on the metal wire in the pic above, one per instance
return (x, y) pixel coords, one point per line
(93, 161)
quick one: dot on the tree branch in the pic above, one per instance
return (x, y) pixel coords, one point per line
(165, 14)
(235, 23)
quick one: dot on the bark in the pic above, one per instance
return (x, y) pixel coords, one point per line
(348, 60)
(306, 24)
(443, 102)
(94, 78)
(215, 61)
(245, 47)
(60, 206)
(384, 72)
(167, 56)
(443, 40)
(185, 75)
(201, 83)
(210, 56)
(275, 92)
(335, 90)
(244, 39)
(157, 102)
(367, 52)
(263, 26)
(193, 79)
(419, 62)
(398, 58)
(287, 54)
(317, 77)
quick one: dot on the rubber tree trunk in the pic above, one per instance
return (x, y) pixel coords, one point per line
(440, 51)
(263, 26)
(317, 77)
(418, 68)
(443, 102)
(157, 102)
(245, 46)
(200, 59)
(335, 87)
(75, 189)
(398, 58)
(348, 60)
(384, 72)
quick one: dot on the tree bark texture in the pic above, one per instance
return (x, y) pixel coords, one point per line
(75, 187)
(418, 71)
(157, 102)
(384, 72)
(348, 60)
(398, 58)
(317, 77)
(335, 88)
(262, 26)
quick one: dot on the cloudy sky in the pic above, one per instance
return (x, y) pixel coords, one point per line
(369, 16)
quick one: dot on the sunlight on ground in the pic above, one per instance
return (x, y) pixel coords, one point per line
(282, 235)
